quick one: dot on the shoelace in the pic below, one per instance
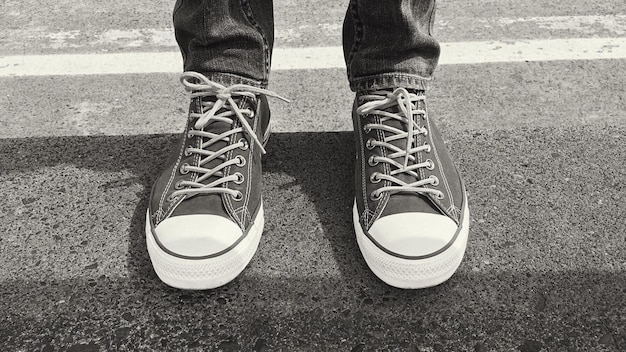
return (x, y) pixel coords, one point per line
(382, 103)
(224, 109)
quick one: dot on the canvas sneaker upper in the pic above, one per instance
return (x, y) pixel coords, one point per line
(208, 197)
(410, 199)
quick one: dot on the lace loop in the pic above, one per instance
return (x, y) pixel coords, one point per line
(225, 99)
(223, 109)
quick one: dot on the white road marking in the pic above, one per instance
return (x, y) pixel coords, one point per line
(315, 57)
(533, 50)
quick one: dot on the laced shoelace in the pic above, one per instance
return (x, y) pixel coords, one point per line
(223, 109)
(382, 103)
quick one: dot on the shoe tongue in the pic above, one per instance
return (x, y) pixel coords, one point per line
(402, 143)
(215, 126)
(400, 202)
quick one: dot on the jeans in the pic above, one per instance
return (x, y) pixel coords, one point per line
(386, 43)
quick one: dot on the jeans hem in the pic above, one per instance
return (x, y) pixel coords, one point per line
(229, 79)
(389, 80)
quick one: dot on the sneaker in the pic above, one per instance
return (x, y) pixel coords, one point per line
(410, 213)
(205, 217)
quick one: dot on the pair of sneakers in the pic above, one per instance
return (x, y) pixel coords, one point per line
(205, 217)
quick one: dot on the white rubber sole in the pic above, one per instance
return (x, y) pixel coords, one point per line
(412, 273)
(204, 274)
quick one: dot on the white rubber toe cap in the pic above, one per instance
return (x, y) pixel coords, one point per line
(413, 234)
(197, 235)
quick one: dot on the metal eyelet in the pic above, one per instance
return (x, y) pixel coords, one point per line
(189, 135)
(435, 180)
(371, 161)
(252, 114)
(170, 199)
(184, 169)
(239, 179)
(369, 145)
(188, 151)
(179, 185)
(440, 196)
(245, 145)
(238, 197)
(375, 197)
(374, 178)
(241, 161)
(429, 148)
(367, 130)
(424, 131)
(431, 164)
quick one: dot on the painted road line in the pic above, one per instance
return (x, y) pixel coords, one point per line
(533, 50)
(316, 57)
(40, 38)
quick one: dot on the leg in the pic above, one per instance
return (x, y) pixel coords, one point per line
(410, 213)
(388, 44)
(227, 41)
(205, 217)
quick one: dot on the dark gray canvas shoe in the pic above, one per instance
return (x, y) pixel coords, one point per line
(410, 214)
(205, 217)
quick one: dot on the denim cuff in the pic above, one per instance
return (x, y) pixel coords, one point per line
(229, 79)
(388, 81)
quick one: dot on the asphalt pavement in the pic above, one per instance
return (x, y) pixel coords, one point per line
(541, 146)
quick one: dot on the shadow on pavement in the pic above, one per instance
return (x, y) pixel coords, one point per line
(304, 304)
